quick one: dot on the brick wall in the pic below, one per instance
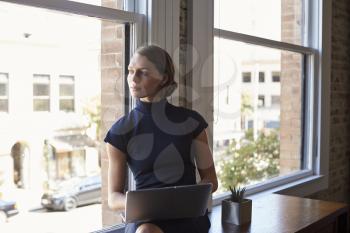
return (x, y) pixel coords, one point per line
(290, 130)
(339, 161)
(112, 94)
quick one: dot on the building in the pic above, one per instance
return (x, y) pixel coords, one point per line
(47, 84)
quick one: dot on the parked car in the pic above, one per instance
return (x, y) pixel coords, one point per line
(73, 193)
(7, 209)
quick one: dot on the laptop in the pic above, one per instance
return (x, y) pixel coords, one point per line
(186, 201)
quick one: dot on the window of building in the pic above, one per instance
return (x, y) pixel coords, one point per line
(41, 92)
(261, 101)
(4, 92)
(268, 43)
(261, 77)
(246, 77)
(276, 77)
(66, 93)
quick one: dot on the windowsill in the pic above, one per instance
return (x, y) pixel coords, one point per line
(302, 187)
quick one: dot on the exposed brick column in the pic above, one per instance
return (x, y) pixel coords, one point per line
(290, 131)
(339, 143)
(112, 94)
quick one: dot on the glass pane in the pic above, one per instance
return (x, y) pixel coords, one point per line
(256, 137)
(77, 56)
(67, 105)
(41, 90)
(66, 79)
(115, 4)
(41, 78)
(280, 20)
(41, 105)
(66, 90)
(3, 78)
(4, 105)
(3, 89)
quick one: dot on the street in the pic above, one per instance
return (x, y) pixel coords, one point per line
(82, 219)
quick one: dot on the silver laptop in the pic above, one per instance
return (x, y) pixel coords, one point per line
(167, 203)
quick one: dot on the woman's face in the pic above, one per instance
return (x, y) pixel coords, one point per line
(143, 78)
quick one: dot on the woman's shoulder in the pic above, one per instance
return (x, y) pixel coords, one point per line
(187, 112)
(126, 123)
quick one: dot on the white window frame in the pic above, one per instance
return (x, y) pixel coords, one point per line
(66, 97)
(300, 183)
(42, 97)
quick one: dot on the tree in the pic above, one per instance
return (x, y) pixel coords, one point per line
(249, 160)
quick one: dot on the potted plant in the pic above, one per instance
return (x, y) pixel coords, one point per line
(236, 209)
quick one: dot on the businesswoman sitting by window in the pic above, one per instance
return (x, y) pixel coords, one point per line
(161, 143)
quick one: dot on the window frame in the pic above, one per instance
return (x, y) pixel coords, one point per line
(134, 15)
(318, 67)
(66, 97)
(42, 97)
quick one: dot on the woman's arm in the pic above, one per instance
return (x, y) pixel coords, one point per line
(204, 160)
(116, 178)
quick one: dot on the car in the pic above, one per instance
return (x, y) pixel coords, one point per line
(73, 193)
(7, 209)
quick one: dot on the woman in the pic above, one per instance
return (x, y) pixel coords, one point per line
(161, 143)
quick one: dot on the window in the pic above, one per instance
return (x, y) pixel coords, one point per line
(276, 77)
(261, 101)
(4, 92)
(261, 77)
(41, 92)
(281, 45)
(246, 77)
(66, 93)
(81, 51)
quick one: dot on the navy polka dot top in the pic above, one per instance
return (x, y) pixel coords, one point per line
(156, 138)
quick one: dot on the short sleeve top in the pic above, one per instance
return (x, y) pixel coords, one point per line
(157, 139)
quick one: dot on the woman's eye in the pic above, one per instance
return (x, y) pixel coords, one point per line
(131, 71)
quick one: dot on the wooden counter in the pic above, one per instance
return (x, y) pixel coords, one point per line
(285, 214)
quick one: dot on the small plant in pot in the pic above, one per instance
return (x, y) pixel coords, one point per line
(236, 209)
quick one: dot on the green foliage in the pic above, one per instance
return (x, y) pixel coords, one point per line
(237, 194)
(250, 160)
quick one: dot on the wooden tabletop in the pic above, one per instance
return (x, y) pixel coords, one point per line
(284, 214)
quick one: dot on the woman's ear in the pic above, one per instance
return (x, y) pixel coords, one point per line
(165, 80)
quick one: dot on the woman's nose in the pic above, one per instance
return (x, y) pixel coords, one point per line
(133, 77)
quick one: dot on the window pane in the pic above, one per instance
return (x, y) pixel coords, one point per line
(41, 105)
(71, 63)
(115, 4)
(66, 90)
(3, 105)
(276, 76)
(66, 79)
(3, 89)
(41, 89)
(280, 20)
(67, 105)
(255, 138)
(261, 77)
(246, 77)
